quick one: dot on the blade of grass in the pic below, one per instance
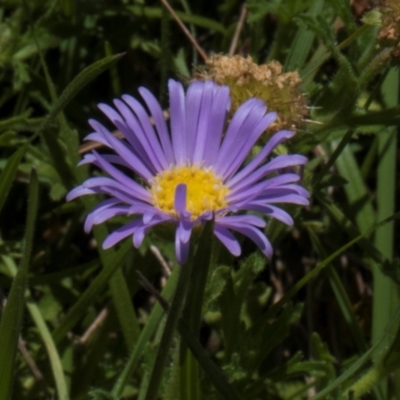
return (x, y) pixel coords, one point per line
(11, 321)
(44, 332)
(386, 297)
(9, 172)
(356, 191)
(124, 307)
(303, 40)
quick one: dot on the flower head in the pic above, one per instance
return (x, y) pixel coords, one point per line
(268, 82)
(390, 31)
(192, 170)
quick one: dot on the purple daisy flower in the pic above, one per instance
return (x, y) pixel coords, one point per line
(192, 169)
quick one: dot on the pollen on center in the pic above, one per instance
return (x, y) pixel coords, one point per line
(205, 190)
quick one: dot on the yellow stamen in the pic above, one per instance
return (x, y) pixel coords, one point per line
(205, 190)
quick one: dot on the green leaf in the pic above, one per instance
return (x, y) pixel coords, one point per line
(321, 352)
(10, 324)
(356, 191)
(295, 367)
(301, 45)
(8, 174)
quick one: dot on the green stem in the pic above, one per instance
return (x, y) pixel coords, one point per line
(189, 375)
(169, 330)
(367, 382)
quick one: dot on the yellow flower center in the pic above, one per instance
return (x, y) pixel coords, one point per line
(205, 190)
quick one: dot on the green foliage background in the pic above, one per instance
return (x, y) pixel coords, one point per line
(320, 320)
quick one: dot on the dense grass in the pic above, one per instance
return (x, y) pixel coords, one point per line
(319, 320)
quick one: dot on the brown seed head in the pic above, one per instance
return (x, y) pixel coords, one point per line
(390, 31)
(280, 91)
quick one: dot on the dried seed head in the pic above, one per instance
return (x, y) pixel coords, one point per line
(390, 32)
(280, 91)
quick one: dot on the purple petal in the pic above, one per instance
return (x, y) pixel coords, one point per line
(227, 239)
(277, 163)
(134, 188)
(286, 198)
(181, 249)
(246, 146)
(143, 208)
(121, 233)
(192, 108)
(103, 182)
(127, 155)
(99, 209)
(275, 140)
(111, 212)
(111, 158)
(218, 114)
(245, 119)
(96, 137)
(242, 219)
(159, 122)
(270, 210)
(126, 130)
(79, 191)
(290, 187)
(132, 131)
(139, 235)
(178, 121)
(240, 193)
(184, 230)
(180, 198)
(255, 235)
(146, 133)
(204, 121)
(142, 229)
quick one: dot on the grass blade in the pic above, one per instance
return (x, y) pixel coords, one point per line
(302, 42)
(8, 174)
(12, 317)
(44, 332)
(386, 297)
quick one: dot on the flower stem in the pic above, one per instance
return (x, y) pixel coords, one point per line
(169, 330)
(189, 367)
(186, 279)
